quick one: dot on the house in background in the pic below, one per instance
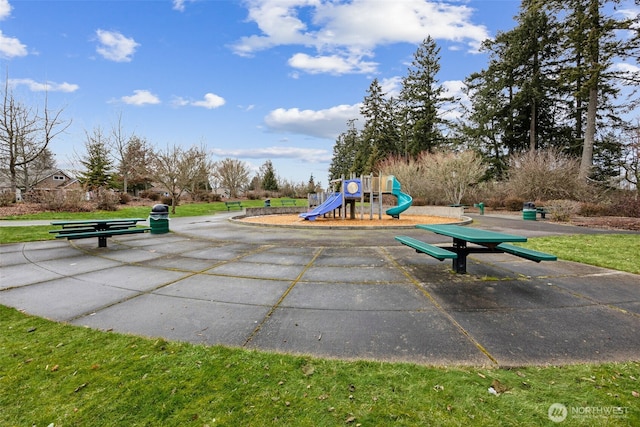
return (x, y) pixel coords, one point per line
(57, 179)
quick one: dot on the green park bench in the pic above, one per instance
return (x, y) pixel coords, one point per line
(233, 205)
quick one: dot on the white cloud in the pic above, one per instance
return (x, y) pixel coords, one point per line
(46, 86)
(5, 9)
(625, 67)
(342, 33)
(391, 86)
(334, 64)
(309, 155)
(115, 46)
(11, 47)
(327, 123)
(211, 100)
(141, 97)
(180, 5)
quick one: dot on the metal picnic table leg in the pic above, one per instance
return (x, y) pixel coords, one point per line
(460, 263)
(102, 241)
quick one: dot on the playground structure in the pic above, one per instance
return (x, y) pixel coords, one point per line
(366, 187)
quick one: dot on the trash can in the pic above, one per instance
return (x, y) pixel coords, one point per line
(159, 219)
(267, 203)
(529, 211)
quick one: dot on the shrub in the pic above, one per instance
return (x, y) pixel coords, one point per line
(625, 204)
(106, 200)
(437, 178)
(561, 210)
(7, 197)
(593, 209)
(545, 175)
(514, 203)
(125, 198)
(151, 195)
(61, 201)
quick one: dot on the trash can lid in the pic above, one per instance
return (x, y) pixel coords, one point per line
(160, 208)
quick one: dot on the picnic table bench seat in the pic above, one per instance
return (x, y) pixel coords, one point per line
(102, 229)
(529, 254)
(435, 251)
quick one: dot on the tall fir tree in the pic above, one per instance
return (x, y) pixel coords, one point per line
(423, 97)
(269, 179)
(97, 162)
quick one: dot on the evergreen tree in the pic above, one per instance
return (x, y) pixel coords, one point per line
(97, 162)
(423, 97)
(379, 137)
(269, 180)
(592, 36)
(344, 153)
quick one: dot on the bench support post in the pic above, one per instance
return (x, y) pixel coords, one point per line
(460, 263)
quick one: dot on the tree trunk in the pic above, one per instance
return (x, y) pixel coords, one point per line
(589, 135)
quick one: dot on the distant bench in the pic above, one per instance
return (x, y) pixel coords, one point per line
(234, 205)
(542, 211)
(100, 228)
(288, 202)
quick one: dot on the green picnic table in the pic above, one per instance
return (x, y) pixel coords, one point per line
(100, 228)
(484, 241)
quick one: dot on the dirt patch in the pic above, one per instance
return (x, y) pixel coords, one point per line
(608, 222)
(386, 221)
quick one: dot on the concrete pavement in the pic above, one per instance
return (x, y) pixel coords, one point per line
(330, 292)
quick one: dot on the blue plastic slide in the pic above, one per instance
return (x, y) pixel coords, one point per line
(333, 202)
(404, 200)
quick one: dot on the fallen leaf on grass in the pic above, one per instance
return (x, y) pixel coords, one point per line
(350, 419)
(635, 394)
(499, 387)
(308, 370)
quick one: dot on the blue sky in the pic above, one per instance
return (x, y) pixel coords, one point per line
(252, 80)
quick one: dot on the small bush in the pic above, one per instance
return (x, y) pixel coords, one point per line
(60, 201)
(125, 198)
(593, 209)
(7, 198)
(106, 200)
(625, 204)
(561, 210)
(514, 203)
(166, 200)
(151, 195)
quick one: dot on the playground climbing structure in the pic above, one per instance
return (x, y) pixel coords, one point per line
(368, 187)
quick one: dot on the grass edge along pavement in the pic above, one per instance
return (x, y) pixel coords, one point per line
(57, 374)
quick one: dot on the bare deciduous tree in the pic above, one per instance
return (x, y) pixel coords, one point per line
(233, 174)
(25, 132)
(176, 169)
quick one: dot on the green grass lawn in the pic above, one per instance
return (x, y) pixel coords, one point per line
(615, 251)
(56, 374)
